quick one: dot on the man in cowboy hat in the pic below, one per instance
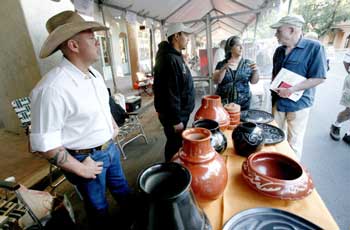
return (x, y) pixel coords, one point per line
(302, 56)
(72, 125)
(173, 87)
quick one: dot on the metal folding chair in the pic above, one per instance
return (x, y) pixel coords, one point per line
(11, 210)
(130, 131)
(144, 83)
(22, 109)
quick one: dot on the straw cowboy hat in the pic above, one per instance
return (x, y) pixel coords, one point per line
(63, 26)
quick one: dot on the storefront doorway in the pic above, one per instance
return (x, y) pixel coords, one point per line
(106, 62)
(124, 54)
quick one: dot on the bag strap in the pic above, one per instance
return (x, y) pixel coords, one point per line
(92, 73)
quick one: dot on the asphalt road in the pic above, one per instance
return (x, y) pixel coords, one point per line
(328, 160)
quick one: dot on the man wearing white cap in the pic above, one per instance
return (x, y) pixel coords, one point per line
(307, 58)
(173, 87)
(72, 125)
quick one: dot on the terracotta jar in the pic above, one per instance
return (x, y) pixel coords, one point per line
(208, 169)
(277, 175)
(167, 201)
(212, 109)
(218, 139)
(234, 111)
(233, 108)
(247, 138)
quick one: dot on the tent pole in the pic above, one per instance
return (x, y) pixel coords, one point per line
(290, 6)
(109, 51)
(256, 25)
(209, 53)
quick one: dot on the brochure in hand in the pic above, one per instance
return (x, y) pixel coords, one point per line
(286, 79)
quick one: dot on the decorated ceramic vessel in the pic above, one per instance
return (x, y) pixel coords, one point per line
(247, 138)
(207, 167)
(277, 175)
(218, 139)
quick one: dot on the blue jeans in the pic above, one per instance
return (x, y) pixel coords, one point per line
(93, 191)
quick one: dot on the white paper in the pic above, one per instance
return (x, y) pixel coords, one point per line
(286, 77)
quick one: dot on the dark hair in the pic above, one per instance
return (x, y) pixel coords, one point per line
(171, 37)
(223, 43)
(231, 42)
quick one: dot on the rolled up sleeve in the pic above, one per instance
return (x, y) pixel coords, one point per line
(47, 115)
(45, 141)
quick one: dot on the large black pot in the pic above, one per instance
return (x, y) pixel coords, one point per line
(218, 139)
(247, 138)
(169, 204)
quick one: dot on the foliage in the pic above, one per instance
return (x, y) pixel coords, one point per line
(321, 15)
(267, 18)
(263, 29)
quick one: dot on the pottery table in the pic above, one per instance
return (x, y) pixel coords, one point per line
(238, 196)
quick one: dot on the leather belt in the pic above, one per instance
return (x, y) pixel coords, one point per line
(87, 151)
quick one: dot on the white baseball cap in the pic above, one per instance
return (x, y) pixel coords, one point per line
(176, 28)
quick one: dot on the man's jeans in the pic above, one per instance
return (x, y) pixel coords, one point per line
(93, 191)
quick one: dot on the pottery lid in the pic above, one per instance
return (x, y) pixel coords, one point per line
(232, 107)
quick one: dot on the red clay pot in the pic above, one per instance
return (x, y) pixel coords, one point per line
(232, 108)
(207, 167)
(212, 109)
(277, 175)
(235, 119)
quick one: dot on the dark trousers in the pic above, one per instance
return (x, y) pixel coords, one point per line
(174, 140)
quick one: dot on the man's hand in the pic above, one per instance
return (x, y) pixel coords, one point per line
(283, 92)
(61, 158)
(306, 84)
(179, 127)
(92, 168)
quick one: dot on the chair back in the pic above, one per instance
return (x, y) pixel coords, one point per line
(22, 109)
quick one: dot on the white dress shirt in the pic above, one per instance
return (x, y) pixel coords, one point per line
(70, 109)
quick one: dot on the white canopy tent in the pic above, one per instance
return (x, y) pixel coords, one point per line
(227, 17)
(211, 20)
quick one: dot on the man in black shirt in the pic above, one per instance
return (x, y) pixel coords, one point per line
(174, 96)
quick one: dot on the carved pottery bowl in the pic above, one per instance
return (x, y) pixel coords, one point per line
(277, 175)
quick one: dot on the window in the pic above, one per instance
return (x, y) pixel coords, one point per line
(144, 50)
(123, 48)
(103, 48)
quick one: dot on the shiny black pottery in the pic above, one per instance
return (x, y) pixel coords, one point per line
(169, 204)
(218, 139)
(247, 138)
